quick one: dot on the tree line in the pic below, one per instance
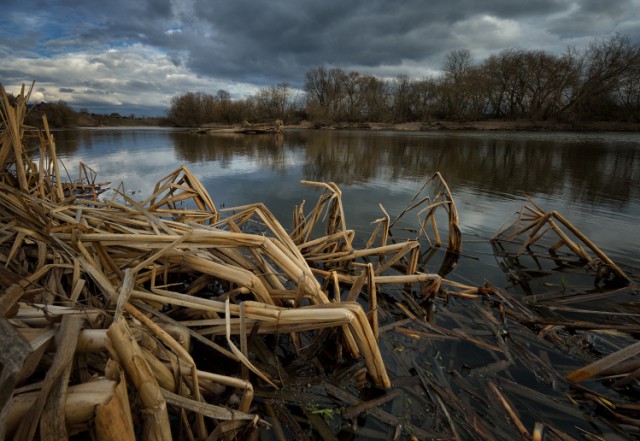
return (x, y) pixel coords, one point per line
(61, 114)
(268, 104)
(601, 82)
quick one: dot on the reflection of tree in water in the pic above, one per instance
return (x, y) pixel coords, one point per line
(609, 175)
(68, 141)
(109, 140)
(268, 151)
(589, 173)
(606, 174)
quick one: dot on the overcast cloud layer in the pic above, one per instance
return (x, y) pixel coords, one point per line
(132, 56)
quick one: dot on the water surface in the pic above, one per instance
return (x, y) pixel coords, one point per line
(591, 178)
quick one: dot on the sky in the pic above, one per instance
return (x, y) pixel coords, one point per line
(133, 56)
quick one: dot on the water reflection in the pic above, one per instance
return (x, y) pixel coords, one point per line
(592, 178)
(269, 151)
(586, 172)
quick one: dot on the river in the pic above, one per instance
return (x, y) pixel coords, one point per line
(593, 179)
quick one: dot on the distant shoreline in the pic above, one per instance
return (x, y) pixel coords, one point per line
(481, 126)
(428, 126)
(487, 125)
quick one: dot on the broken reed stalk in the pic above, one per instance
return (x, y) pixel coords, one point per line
(80, 402)
(595, 368)
(15, 350)
(128, 353)
(113, 419)
(382, 228)
(12, 118)
(180, 186)
(329, 208)
(53, 155)
(526, 228)
(591, 245)
(513, 414)
(54, 388)
(178, 349)
(274, 319)
(442, 200)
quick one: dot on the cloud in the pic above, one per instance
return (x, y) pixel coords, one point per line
(583, 19)
(257, 42)
(486, 32)
(142, 78)
(163, 47)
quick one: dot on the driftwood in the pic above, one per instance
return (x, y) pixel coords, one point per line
(257, 129)
(245, 129)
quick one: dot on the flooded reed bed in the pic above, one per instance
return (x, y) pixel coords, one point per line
(171, 318)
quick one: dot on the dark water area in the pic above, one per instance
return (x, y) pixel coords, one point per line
(592, 179)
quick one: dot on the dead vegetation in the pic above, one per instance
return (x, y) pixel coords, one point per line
(172, 319)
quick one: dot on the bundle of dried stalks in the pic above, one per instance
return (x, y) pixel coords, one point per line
(534, 225)
(123, 289)
(333, 256)
(429, 206)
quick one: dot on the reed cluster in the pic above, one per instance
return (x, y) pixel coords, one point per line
(118, 292)
(170, 318)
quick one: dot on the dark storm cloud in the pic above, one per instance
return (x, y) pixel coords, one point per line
(263, 42)
(154, 49)
(284, 38)
(587, 17)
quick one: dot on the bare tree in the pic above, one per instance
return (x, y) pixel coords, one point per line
(426, 94)
(191, 109)
(325, 89)
(355, 88)
(603, 65)
(376, 99)
(603, 81)
(403, 99)
(460, 92)
(505, 83)
(628, 94)
(273, 102)
(457, 64)
(547, 78)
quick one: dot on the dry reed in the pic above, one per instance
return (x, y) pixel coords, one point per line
(111, 268)
(104, 304)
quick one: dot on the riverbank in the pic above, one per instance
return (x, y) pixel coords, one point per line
(429, 126)
(86, 120)
(486, 125)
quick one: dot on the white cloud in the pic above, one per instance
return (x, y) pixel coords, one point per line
(411, 68)
(132, 75)
(205, 45)
(486, 32)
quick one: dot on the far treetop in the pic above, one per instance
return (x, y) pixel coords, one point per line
(600, 83)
